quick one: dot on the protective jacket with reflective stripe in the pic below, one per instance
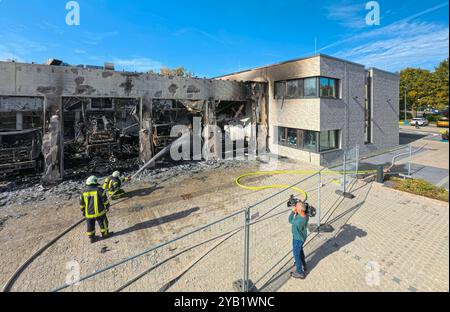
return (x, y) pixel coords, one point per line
(114, 184)
(94, 202)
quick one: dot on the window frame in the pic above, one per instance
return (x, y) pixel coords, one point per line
(301, 84)
(316, 95)
(336, 140)
(301, 139)
(283, 82)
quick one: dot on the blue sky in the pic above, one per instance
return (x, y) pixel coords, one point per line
(211, 38)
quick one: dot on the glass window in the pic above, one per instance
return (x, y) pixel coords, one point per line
(292, 139)
(310, 141)
(329, 140)
(281, 135)
(328, 87)
(280, 89)
(293, 90)
(332, 89)
(310, 87)
(324, 85)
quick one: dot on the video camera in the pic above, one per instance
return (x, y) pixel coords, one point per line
(310, 210)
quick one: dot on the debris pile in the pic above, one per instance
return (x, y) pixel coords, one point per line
(29, 190)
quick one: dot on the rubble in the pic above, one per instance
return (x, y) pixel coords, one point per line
(28, 189)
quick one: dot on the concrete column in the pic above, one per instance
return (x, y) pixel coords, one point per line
(146, 149)
(53, 141)
(212, 146)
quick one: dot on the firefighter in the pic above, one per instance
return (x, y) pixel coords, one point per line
(94, 204)
(114, 185)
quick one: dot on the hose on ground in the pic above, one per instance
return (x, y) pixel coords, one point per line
(8, 285)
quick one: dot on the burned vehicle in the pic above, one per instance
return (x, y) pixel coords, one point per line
(20, 150)
(101, 127)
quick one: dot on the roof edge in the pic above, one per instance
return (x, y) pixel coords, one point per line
(290, 61)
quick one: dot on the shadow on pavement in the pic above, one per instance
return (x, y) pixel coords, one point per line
(322, 245)
(156, 222)
(141, 192)
(347, 235)
(408, 138)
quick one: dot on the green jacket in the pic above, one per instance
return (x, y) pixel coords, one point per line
(299, 227)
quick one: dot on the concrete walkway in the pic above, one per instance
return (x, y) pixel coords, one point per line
(392, 242)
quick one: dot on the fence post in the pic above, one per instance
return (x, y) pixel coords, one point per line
(357, 162)
(318, 200)
(409, 161)
(245, 282)
(343, 192)
(345, 173)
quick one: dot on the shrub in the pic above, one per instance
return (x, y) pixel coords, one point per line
(420, 187)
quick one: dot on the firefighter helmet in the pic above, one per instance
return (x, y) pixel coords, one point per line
(116, 174)
(92, 181)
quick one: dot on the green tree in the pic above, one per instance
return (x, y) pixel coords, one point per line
(417, 83)
(440, 85)
(425, 88)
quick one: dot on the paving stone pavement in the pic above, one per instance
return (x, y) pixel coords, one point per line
(403, 245)
(383, 239)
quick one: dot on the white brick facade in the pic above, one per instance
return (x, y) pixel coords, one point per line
(346, 113)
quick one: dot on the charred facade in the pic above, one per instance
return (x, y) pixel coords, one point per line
(72, 113)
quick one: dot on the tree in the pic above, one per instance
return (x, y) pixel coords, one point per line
(417, 82)
(176, 72)
(425, 88)
(441, 78)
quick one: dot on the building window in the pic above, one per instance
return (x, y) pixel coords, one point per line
(280, 89)
(310, 141)
(294, 89)
(307, 87)
(292, 137)
(328, 87)
(282, 136)
(329, 140)
(310, 87)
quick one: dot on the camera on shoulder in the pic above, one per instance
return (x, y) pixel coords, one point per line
(310, 210)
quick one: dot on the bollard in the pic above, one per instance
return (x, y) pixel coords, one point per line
(380, 174)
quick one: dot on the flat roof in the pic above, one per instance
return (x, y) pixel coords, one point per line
(384, 71)
(291, 61)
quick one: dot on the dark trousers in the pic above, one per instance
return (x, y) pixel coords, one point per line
(117, 194)
(299, 255)
(102, 223)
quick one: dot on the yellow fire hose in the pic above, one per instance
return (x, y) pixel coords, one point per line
(301, 192)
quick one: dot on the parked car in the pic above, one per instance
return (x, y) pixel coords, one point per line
(442, 122)
(419, 122)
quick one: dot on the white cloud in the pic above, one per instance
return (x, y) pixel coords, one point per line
(6, 54)
(18, 48)
(385, 30)
(409, 44)
(406, 42)
(348, 14)
(140, 64)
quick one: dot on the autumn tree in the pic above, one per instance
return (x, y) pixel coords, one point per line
(175, 72)
(425, 88)
(441, 77)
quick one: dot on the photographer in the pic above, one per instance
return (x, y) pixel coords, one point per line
(299, 220)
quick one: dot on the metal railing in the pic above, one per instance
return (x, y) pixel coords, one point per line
(234, 253)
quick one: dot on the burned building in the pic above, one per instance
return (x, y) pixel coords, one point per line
(66, 113)
(310, 109)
